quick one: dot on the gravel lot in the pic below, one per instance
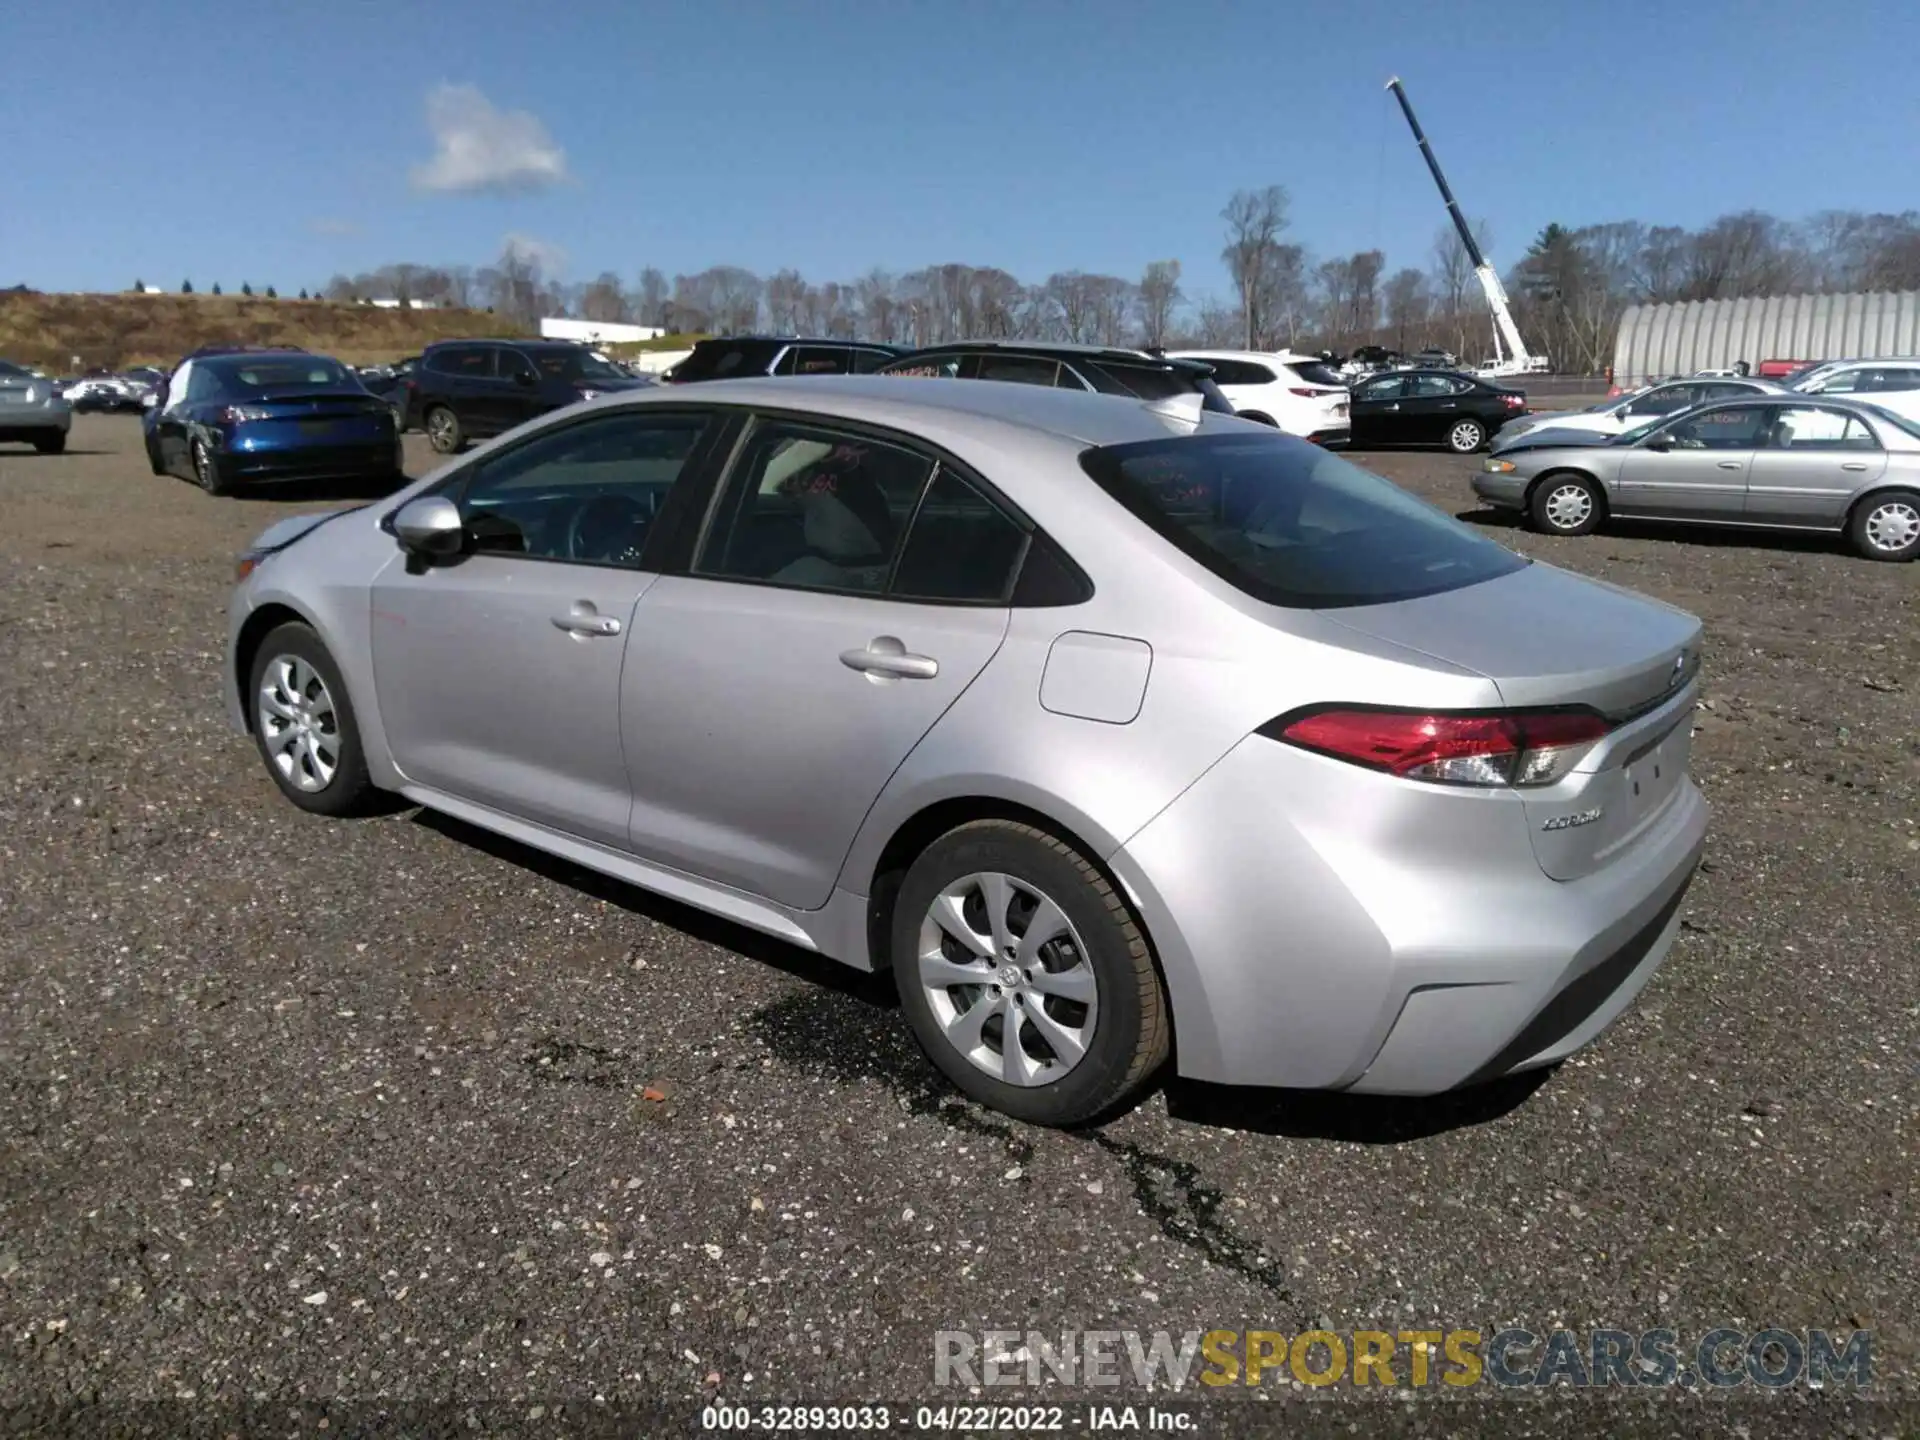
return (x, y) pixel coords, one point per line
(332, 1113)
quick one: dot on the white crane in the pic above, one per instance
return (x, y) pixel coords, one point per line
(1514, 359)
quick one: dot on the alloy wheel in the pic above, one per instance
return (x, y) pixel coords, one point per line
(203, 471)
(1893, 526)
(440, 429)
(1569, 506)
(1008, 979)
(299, 726)
(1465, 437)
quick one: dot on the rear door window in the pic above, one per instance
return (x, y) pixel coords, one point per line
(821, 360)
(961, 547)
(1019, 369)
(469, 362)
(1292, 524)
(865, 362)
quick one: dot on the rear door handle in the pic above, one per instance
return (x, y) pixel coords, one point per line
(1853, 464)
(886, 658)
(1731, 464)
(585, 621)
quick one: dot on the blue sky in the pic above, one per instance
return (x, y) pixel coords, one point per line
(279, 144)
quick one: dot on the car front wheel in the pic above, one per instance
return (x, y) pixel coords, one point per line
(1887, 526)
(51, 443)
(303, 723)
(443, 430)
(1565, 505)
(1025, 977)
(1466, 436)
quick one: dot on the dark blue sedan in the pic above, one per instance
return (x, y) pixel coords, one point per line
(231, 420)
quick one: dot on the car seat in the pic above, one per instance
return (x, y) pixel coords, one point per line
(848, 529)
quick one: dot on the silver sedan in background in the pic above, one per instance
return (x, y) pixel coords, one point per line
(1783, 462)
(1113, 728)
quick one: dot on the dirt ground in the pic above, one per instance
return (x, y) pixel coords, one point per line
(390, 1112)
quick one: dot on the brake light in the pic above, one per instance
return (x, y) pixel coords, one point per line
(1510, 747)
(1305, 392)
(1513, 402)
(240, 414)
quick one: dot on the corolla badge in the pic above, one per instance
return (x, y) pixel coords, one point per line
(1573, 821)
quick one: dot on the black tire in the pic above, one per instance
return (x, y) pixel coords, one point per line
(444, 431)
(51, 444)
(1888, 513)
(1466, 436)
(1259, 419)
(1131, 1030)
(1555, 509)
(206, 469)
(348, 790)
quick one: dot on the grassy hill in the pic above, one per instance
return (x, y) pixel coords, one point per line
(129, 329)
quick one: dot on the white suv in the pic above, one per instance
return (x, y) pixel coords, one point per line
(1891, 384)
(1295, 393)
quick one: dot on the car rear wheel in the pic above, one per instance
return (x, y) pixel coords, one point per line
(1259, 419)
(443, 430)
(1025, 977)
(303, 723)
(51, 444)
(206, 469)
(1566, 505)
(1887, 526)
(1466, 436)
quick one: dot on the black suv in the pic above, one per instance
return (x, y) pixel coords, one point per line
(733, 356)
(465, 390)
(1066, 367)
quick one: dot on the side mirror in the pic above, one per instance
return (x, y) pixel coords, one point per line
(1659, 447)
(524, 379)
(430, 527)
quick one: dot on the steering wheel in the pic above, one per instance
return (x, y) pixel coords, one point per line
(610, 528)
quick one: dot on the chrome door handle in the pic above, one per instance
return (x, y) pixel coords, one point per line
(887, 658)
(1394, 406)
(1449, 405)
(1853, 464)
(584, 620)
(1730, 464)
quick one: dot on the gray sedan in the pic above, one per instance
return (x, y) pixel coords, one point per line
(1772, 462)
(1117, 731)
(32, 410)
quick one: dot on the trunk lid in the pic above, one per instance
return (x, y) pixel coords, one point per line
(1545, 637)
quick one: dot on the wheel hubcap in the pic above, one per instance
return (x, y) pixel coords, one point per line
(1008, 979)
(1569, 506)
(442, 427)
(1893, 526)
(1466, 437)
(202, 463)
(299, 728)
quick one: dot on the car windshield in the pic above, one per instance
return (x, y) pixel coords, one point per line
(577, 365)
(296, 372)
(1291, 524)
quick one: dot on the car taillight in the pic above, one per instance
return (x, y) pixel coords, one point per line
(1513, 402)
(240, 414)
(1509, 747)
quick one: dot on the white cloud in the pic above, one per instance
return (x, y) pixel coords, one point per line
(478, 147)
(549, 258)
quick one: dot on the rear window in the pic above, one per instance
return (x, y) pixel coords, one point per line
(1317, 372)
(1291, 524)
(303, 373)
(727, 359)
(1144, 382)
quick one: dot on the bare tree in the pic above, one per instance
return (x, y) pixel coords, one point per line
(1409, 304)
(1255, 220)
(601, 298)
(1158, 296)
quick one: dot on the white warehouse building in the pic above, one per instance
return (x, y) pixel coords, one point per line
(1681, 338)
(598, 332)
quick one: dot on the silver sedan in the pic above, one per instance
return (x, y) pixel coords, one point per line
(1114, 729)
(1792, 463)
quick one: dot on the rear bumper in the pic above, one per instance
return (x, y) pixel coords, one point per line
(1319, 930)
(24, 422)
(318, 462)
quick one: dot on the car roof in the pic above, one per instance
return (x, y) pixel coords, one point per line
(1283, 357)
(796, 340)
(1080, 416)
(1061, 350)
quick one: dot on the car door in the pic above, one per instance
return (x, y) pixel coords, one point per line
(1373, 413)
(773, 690)
(519, 388)
(499, 673)
(192, 386)
(1816, 458)
(1694, 467)
(1428, 408)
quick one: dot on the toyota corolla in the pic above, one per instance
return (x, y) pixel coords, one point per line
(1115, 730)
